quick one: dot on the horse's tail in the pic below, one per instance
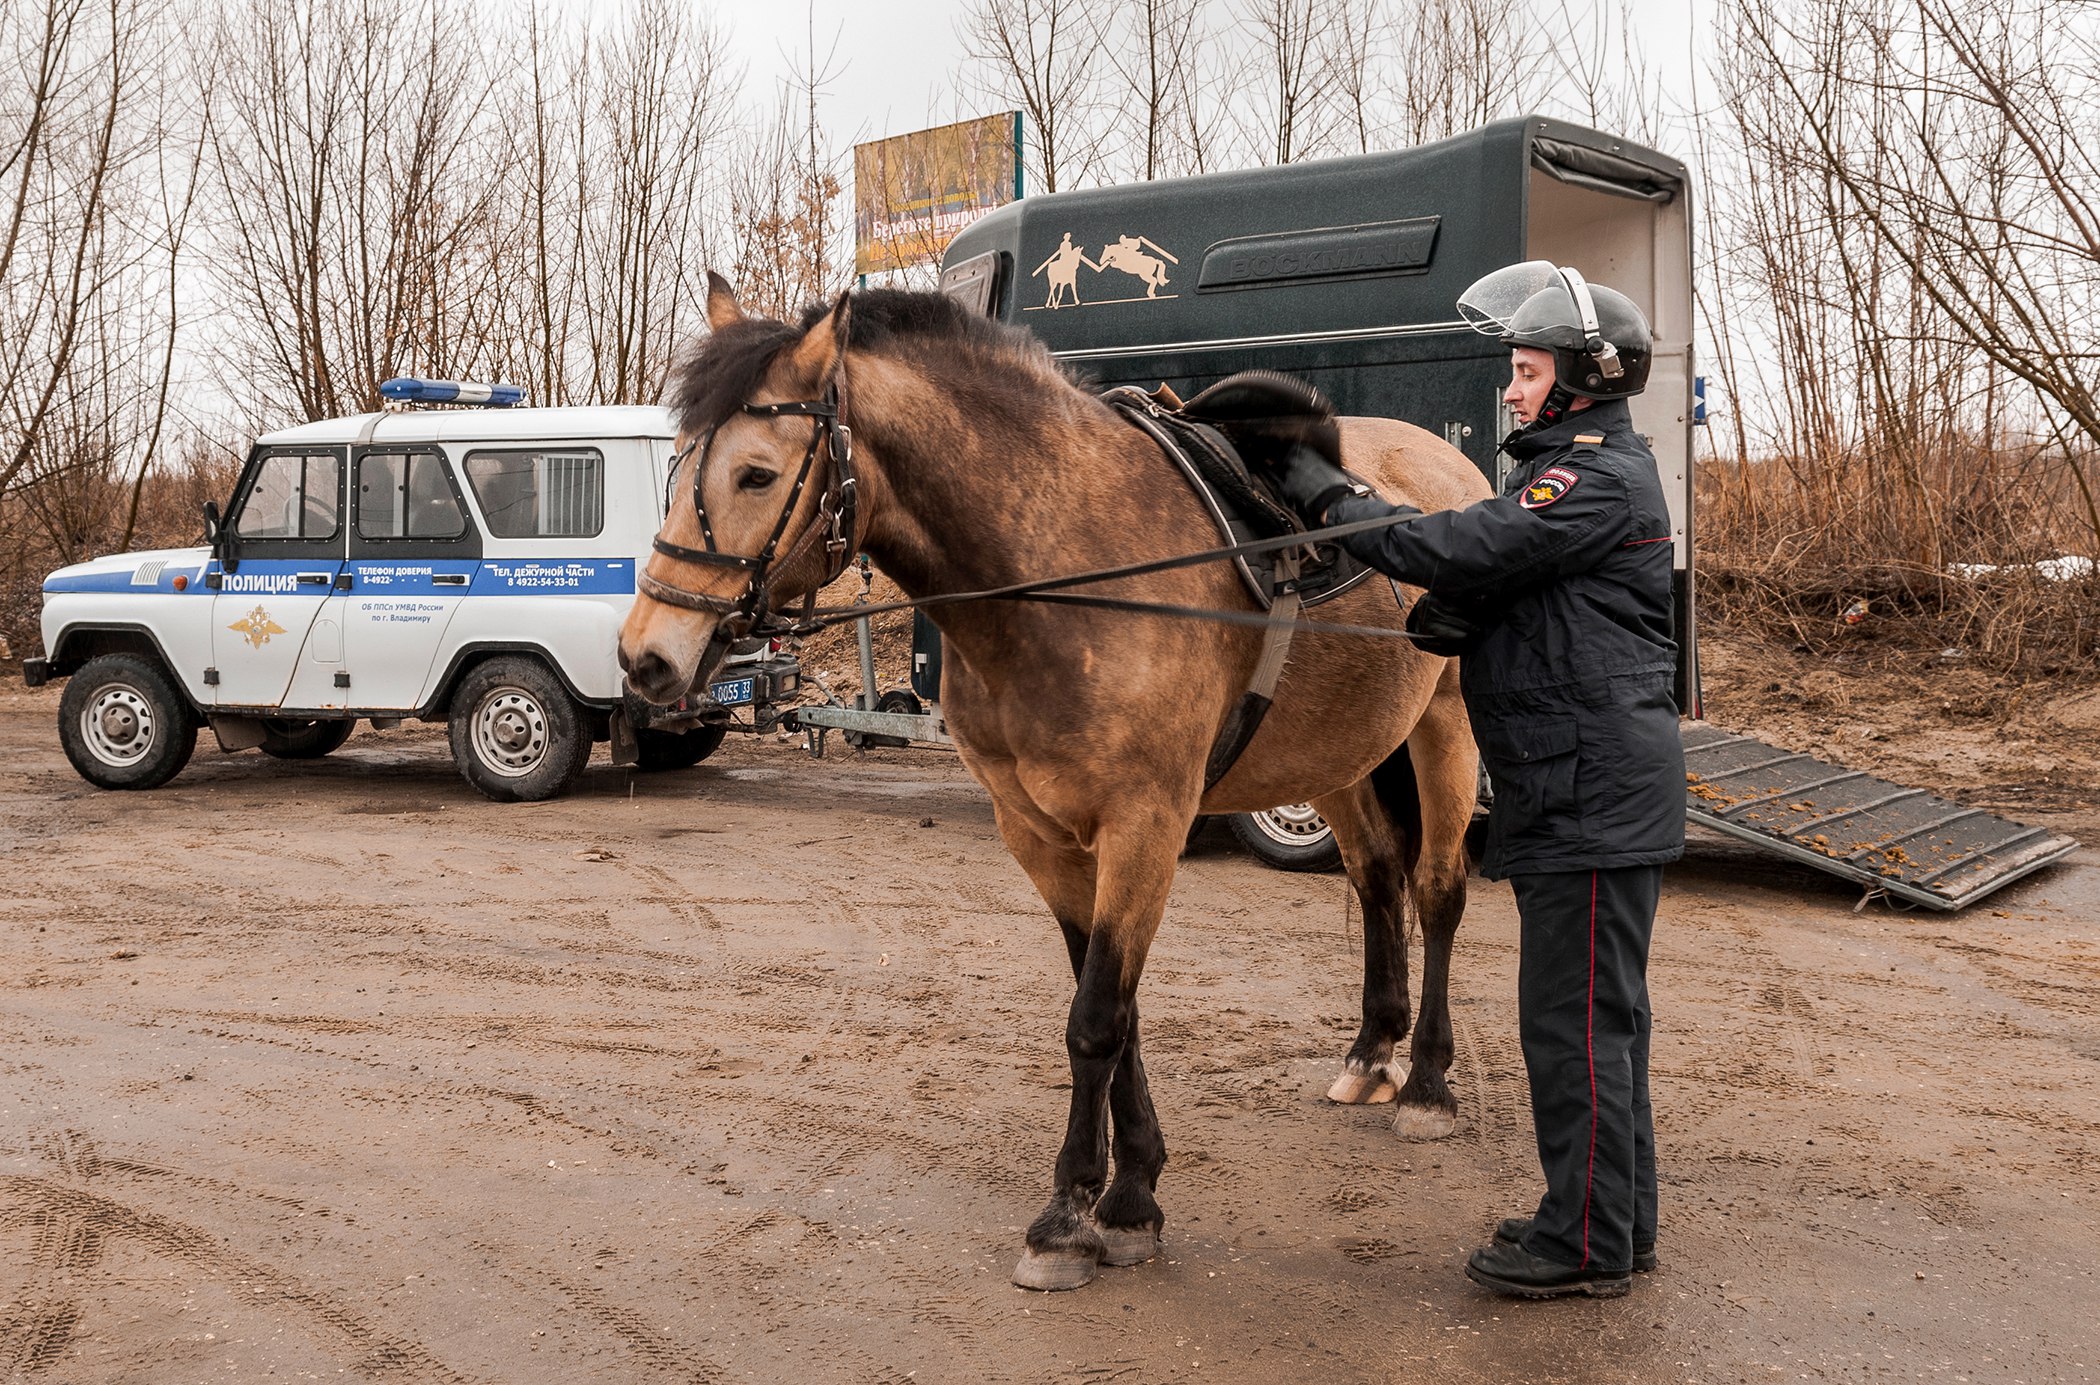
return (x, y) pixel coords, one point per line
(1394, 783)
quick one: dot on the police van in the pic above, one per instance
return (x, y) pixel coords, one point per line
(465, 565)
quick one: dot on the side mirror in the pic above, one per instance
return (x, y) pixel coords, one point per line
(211, 524)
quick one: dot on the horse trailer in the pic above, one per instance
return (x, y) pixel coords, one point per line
(1347, 273)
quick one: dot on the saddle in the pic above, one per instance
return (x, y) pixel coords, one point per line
(1257, 414)
(1262, 415)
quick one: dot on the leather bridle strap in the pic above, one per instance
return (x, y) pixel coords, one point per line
(836, 522)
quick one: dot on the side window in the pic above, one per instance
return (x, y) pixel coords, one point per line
(293, 497)
(404, 495)
(552, 494)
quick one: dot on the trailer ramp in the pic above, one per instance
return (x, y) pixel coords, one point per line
(1901, 842)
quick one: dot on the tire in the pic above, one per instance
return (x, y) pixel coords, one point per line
(658, 750)
(516, 734)
(288, 738)
(1292, 837)
(125, 724)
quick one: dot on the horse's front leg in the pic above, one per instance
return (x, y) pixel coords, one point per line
(1128, 1215)
(1066, 1243)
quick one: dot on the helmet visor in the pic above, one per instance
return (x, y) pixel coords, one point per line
(1493, 300)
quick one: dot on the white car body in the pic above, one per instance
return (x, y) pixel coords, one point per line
(553, 509)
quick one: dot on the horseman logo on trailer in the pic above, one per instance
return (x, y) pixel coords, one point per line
(1126, 254)
(1552, 483)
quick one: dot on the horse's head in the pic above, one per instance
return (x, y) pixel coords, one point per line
(762, 494)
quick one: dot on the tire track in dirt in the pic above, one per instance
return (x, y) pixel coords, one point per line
(73, 1223)
(657, 1353)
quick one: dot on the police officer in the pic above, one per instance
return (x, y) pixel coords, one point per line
(1557, 594)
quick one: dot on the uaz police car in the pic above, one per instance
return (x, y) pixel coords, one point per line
(471, 566)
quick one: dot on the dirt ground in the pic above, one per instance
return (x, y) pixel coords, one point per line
(755, 1072)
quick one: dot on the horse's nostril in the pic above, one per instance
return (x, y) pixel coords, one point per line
(648, 674)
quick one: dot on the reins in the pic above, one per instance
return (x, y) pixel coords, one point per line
(1050, 589)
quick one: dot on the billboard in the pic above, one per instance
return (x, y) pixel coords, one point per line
(912, 193)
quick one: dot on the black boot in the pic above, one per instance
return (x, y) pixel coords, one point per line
(1510, 1231)
(1513, 1270)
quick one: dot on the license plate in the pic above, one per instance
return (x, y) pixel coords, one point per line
(732, 692)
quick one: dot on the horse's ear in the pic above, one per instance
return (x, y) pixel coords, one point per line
(722, 309)
(816, 356)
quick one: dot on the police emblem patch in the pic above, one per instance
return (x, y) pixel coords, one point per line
(1550, 485)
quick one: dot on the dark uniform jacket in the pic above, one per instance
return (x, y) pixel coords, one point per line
(1569, 688)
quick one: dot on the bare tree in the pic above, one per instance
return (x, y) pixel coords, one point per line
(342, 146)
(1154, 54)
(1288, 81)
(1044, 57)
(661, 103)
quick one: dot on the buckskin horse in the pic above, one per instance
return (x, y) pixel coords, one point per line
(955, 452)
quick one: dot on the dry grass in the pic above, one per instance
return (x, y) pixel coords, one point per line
(82, 516)
(1785, 549)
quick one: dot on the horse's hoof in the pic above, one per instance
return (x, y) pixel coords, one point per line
(1128, 1245)
(1355, 1088)
(1423, 1122)
(1055, 1269)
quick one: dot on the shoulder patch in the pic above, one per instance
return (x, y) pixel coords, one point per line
(1589, 437)
(1549, 486)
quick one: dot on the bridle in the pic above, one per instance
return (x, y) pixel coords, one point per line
(835, 523)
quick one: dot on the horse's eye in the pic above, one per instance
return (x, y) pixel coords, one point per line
(756, 478)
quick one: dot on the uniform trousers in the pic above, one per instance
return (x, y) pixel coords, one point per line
(1582, 1009)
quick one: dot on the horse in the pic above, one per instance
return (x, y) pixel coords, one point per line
(955, 451)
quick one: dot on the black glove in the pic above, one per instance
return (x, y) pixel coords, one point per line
(1311, 483)
(1440, 629)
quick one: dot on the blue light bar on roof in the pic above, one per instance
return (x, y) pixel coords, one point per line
(407, 389)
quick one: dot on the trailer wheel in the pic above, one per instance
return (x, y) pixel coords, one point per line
(655, 750)
(287, 738)
(124, 724)
(516, 734)
(1292, 837)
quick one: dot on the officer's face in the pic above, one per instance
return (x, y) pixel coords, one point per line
(1530, 381)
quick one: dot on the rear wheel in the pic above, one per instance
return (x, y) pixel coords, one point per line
(290, 739)
(1292, 837)
(124, 724)
(656, 750)
(516, 733)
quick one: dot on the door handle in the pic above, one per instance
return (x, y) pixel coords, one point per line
(449, 579)
(315, 579)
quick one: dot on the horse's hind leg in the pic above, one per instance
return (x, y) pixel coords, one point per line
(1442, 779)
(1376, 849)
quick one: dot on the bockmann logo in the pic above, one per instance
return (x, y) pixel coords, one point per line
(256, 627)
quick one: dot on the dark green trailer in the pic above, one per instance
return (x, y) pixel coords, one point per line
(1347, 272)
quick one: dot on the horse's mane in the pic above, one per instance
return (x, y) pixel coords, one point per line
(729, 364)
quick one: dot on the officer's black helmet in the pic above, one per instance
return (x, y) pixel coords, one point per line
(1599, 338)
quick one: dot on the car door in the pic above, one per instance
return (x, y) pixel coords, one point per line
(414, 551)
(280, 564)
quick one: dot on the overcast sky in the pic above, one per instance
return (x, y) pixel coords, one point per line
(896, 62)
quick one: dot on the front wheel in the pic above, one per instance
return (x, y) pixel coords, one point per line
(516, 734)
(656, 750)
(124, 724)
(1292, 837)
(288, 738)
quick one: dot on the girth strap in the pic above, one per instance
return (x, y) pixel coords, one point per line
(1246, 716)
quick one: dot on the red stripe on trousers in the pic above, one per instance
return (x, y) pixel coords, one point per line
(1590, 1035)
